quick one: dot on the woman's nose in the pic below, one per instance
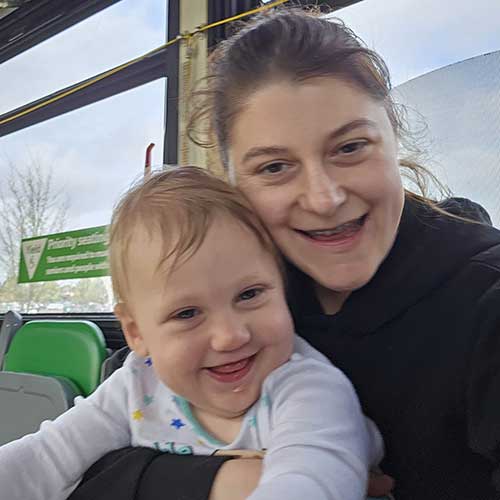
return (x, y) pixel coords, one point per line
(321, 193)
(229, 335)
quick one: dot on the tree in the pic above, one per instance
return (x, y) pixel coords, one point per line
(30, 205)
(90, 295)
(27, 295)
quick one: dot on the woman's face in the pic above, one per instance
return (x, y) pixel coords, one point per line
(318, 161)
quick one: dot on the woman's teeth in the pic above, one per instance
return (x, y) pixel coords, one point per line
(346, 227)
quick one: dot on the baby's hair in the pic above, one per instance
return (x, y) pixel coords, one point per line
(182, 201)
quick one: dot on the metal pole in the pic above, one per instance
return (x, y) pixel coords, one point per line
(171, 132)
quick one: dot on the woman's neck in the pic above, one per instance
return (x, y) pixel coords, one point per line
(331, 301)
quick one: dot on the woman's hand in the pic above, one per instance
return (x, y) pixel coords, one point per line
(379, 484)
(236, 479)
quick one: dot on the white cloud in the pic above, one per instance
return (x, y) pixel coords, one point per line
(98, 150)
(109, 38)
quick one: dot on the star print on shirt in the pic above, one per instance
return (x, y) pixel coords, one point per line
(252, 421)
(148, 362)
(147, 399)
(177, 423)
(137, 415)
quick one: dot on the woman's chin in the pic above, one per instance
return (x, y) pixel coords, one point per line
(333, 290)
(345, 278)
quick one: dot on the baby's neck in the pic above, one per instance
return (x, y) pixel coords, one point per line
(225, 429)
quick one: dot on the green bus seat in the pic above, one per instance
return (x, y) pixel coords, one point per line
(74, 350)
(12, 321)
(48, 364)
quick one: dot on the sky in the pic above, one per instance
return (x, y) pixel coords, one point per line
(417, 36)
(97, 151)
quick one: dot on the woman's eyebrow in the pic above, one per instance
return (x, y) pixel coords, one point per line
(263, 151)
(280, 150)
(348, 127)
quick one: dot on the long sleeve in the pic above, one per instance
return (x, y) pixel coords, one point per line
(483, 383)
(321, 445)
(49, 463)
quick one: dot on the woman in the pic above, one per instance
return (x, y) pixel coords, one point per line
(400, 293)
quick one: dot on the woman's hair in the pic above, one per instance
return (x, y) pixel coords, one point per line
(180, 201)
(295, 45)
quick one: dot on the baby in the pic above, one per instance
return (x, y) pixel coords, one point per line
(215, 366)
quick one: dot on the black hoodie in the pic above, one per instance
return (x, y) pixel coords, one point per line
(421, 344)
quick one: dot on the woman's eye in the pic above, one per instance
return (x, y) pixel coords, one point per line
(273, 168)
(352, 147)
(250, 294)
(186, 314)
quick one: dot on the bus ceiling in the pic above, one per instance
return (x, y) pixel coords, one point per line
(26, 23)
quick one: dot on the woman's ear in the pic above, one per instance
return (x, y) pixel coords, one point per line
(130, 329)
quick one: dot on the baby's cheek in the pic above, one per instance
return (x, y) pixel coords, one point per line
(163, 367)
(283, 330)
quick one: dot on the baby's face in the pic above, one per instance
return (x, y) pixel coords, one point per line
(216, 324)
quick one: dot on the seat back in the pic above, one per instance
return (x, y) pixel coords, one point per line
(113, 362)
(12, 321)
(27, 400)
(73, 350)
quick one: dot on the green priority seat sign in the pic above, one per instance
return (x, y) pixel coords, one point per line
(62, 256)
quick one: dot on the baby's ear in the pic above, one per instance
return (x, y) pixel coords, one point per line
(130, 329)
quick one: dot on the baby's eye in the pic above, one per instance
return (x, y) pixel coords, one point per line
(186, 313)
(352, 147)
(250, 294)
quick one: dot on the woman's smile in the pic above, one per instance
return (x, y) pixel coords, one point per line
(342, 236)
(334, 210)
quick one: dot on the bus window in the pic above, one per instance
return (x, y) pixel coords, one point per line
(85, 158)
